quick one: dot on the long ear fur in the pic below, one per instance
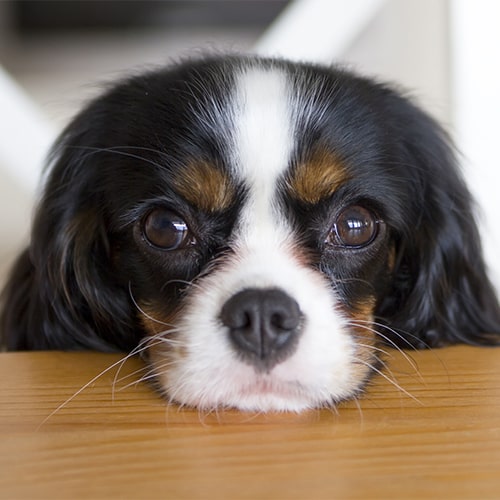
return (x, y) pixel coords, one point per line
(441, 292)
(62, 292)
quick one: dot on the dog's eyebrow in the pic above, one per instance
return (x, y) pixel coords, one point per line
(317, 177)
(205, 186)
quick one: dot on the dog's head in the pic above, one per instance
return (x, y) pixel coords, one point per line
(258, 227)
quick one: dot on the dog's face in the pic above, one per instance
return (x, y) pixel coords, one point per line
(257, 228)
(262, 228)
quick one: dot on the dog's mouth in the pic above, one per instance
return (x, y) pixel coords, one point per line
(265, 393)
(269, 385)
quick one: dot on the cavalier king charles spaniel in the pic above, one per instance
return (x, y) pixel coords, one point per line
(257, 229)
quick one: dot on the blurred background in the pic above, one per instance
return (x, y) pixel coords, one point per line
(55, 55)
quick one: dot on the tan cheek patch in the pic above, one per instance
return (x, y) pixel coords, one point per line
(391, 259)
(362, 329)
(361, 314)
(205, 186)
(317, 178)
(161, 328)
(155, 322)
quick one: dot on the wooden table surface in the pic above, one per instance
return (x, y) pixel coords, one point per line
(440, 438)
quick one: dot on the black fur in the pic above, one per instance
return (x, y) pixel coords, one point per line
(74, 287)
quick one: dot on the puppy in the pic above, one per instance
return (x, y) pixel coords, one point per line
(258, 228)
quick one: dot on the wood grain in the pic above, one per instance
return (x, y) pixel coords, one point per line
(436, 434)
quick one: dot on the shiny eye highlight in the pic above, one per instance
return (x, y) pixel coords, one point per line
(355, 227)
(166, 230)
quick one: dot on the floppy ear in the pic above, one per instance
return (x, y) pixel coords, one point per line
(441, 293)
(62, 292)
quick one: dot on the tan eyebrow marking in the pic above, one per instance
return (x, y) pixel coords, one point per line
(317, 178)
(205, 186)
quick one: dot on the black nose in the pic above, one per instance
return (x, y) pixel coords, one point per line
(264, 325)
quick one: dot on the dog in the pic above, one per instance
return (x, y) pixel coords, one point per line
(258, 229)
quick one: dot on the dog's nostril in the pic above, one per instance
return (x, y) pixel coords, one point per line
(264, 325)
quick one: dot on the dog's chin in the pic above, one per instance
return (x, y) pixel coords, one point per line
(295, 385)
(264, 393)
(265, 396)
(258, 393)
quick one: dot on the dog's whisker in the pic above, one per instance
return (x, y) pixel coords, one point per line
(190, 284)
(389, 379)
(371, 324)
(357, 403)
(330, 406)
(403, 335)
(118, 363)
(358, 324)
(118, 381)
(407, 357)
(144, 313)
(165, 336)
(205, 412)
(400, 335)
(374, 348)
(117, 151)
(142, 346)
(147, 343)
(150, 375)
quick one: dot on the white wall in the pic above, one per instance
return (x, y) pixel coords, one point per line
(475, 57)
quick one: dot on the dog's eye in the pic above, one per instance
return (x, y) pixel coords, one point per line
(355, 227)
(166, 230)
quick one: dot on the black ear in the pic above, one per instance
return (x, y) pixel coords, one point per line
(62, 292)
(441, 293)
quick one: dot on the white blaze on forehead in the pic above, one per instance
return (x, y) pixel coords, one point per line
(264, 132)
(263, 140)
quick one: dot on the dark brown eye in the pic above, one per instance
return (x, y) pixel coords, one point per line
(355, 227)
(166, 230)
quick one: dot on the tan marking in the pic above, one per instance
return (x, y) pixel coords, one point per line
(317, 178)
(391, 259)
(363, 310)
(362, 315)
(159, 325)
(205, 186)
(154, 320)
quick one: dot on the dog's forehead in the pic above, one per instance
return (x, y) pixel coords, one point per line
(268, 120)
(263, 139)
